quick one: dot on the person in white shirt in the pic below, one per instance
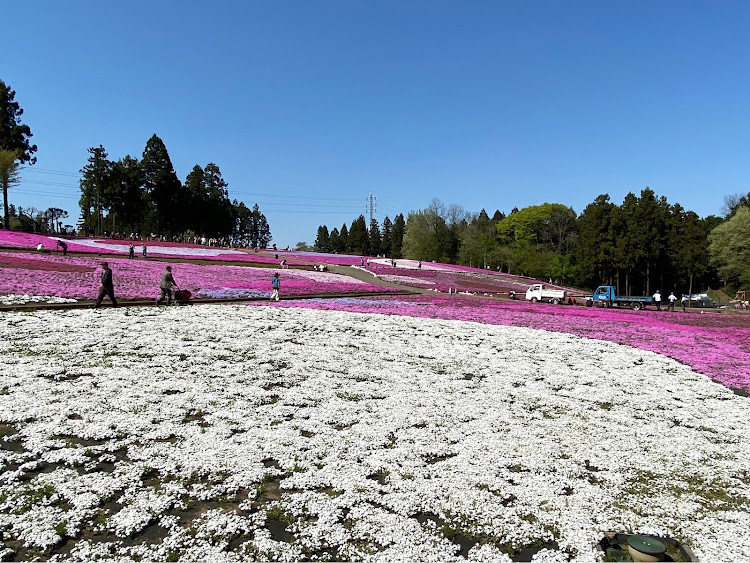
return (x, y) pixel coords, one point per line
(672, 298)
(657, 300)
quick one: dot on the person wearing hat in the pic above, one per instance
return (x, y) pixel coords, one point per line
(276, 285)
(107, 287)
(166, 285)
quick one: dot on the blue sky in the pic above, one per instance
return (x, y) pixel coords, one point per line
(307, 107)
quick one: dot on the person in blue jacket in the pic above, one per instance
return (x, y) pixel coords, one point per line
(276, 285)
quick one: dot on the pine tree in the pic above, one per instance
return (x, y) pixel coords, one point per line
(323, 240)
(335, 240)
(386, 238)
(397, 240)
(96, 188)
(9, 176)
(358, 240)
(161, 184)
(374, 237)
(344, 239)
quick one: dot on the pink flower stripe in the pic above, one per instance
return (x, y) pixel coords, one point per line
(715, 344)
(473, 281)
(78, 277)
(119, 247)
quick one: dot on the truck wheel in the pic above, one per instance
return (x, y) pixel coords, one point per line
(636, 306)
(555, 301)
(534, 300)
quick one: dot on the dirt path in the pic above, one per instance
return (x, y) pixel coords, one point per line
(370, 278)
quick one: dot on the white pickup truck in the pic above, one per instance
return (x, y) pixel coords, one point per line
(539, 292)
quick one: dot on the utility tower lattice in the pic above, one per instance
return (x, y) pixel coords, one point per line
(371, 206)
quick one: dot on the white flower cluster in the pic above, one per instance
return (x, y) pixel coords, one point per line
(23, 299)
(234, 433)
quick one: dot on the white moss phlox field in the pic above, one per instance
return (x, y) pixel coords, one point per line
(233, 433)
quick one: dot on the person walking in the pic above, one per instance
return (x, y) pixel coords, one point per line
(107, 286)
(672, 298)
(684, 302)
(143, 250)
(131, 251)
(276, 285)
(166, 285)
(657, 300)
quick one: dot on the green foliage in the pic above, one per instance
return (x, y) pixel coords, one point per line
(161, 184)
(14, 135)
(358, 240)
(97, 188)
(9, 176)
(323, 240)
(397, 236)
(729, 247)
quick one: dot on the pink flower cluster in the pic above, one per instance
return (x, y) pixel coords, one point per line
(715, 344)
(78, 277)
(469, 281)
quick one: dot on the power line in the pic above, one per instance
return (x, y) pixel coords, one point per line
(50, 171)
(45, 183)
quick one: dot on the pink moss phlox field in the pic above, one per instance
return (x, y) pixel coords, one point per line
(470, 281)
(119, 247)
(78, 277)
(715, 344)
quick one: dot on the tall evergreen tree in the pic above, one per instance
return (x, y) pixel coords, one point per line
(335, 241)
(161, 184)
(358, 241)
(344, 239)
(261, 229)
(9, 176)
(128, 200)
(374, 237)
(323, 240)
(397, 239)
(97, 187)
(14, 138)
(595, 247)
(14, 135)
(386, 237)
(218, 209)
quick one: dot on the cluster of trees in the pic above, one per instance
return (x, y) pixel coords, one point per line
(145, 196)
(33, 220)
(643, 244)
(360, 239)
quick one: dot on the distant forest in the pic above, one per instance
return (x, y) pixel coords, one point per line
(641, 245)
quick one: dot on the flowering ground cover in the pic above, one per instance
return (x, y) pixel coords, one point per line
(715, 344)
(120, 247)
(78, 277)
(286, 434)
(443, 279)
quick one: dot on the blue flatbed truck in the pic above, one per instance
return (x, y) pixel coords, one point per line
(606, 296)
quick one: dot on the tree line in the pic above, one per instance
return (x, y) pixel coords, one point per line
(362, 240)
(145, 196)
(638, 246)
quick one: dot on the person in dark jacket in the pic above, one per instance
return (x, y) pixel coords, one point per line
(107, 287)
(166, 285)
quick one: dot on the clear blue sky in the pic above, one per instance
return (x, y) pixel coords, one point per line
(309, 106)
